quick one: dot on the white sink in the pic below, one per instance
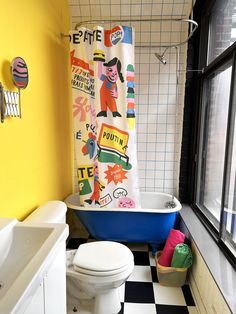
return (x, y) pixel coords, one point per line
(26, 251)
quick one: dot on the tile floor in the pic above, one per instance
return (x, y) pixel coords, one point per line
(142, 294)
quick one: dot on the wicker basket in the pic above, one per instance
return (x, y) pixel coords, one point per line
(170, 276)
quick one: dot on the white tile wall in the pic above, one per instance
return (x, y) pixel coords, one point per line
(158, 137)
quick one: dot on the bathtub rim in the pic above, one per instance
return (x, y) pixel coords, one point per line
(177, 208)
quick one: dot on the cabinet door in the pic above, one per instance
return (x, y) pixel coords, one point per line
(55, 284)
(36, 305)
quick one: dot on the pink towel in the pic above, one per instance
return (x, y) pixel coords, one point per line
(175, 237)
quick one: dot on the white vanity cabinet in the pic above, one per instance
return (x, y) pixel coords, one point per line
(37, 303)
(55, 284)
(32, 267)
(50, 296)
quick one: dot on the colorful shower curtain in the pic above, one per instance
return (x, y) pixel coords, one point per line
(102, 69)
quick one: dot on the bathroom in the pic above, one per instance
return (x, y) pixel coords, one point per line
(37, 157)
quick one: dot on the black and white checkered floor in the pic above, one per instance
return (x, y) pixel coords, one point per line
(142, 294)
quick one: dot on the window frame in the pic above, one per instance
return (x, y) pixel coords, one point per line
(203, 139)
(202, 14)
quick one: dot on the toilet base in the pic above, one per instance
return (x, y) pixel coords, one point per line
(107, 303)
(102, 303)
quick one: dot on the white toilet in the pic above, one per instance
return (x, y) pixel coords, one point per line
(98, 268)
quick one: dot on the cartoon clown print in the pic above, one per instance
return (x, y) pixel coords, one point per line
(108, 90)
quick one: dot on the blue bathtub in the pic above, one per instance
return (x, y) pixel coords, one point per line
(150, 224)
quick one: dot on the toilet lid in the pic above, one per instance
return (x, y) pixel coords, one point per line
(106, 273)
(102, 256)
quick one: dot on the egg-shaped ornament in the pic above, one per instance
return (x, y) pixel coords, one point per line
(19, 71)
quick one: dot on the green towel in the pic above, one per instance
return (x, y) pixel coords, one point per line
(188, 261)
(182, 257)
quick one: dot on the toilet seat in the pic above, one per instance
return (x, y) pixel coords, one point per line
(102, 258)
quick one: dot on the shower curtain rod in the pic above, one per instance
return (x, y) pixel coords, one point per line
(130, 20)
(192, 22)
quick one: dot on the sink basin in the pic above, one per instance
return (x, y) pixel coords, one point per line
(26, 250)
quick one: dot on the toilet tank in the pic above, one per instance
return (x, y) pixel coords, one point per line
(50, 212)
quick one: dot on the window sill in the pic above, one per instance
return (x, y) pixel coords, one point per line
(219, 267)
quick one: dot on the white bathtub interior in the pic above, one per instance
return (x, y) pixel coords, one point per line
(150, 202)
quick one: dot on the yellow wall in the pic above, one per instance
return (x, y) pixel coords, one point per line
(35, 151)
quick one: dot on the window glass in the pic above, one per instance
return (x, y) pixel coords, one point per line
(222, 31)
(215, 116)
(230, 200)
(216, 140)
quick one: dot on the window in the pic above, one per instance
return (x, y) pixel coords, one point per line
(216, 149)
(229, 231)
(214, 118)
(222, 28)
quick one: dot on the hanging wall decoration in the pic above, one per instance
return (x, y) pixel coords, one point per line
(10, 102)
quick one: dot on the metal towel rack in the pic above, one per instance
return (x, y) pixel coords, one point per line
(9, 104)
